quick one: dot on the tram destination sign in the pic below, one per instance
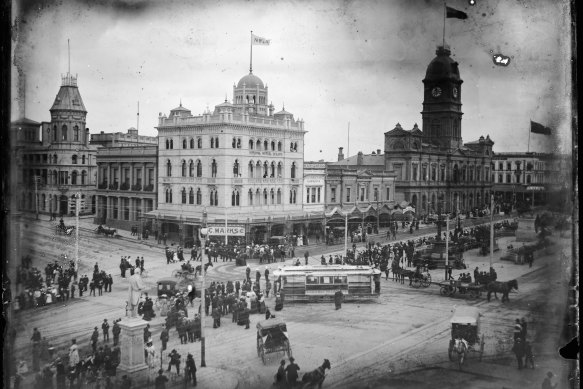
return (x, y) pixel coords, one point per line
(228, 230)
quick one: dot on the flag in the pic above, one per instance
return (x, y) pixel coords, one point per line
(257, 40)
(454, 13)
(538, 128)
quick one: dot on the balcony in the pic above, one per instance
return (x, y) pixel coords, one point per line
(113, 186)
(103, 185)
(149, 188)
(137, 187)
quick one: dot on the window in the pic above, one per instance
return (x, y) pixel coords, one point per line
(214, 197)
(214, 168)
(169, 195)
(500, 178)
(76, 133)
(168, 168)
(55, 133)
(433, 173)
(508, 165)
(333, 195)
(167, 144)
(190, 168)
(293, 170)
(74, 178)
(272, 145)
(212, 143)
(272, 196)
(191, 196)
(184, 143)
(314, 195)
(83, 160)
(199, 143)
(388, 193)
(183, 168)
(235, 198)
(362, 193)
(278, 146)
(171, 143)
(265, 196)
(508, 178)
(250, 195)
(279, 168)
(375, 194)
(198, 197)
(238, 143)
(64, 132)
(415, 173)
(424, 172)
(183, 195)
(279, 196)
(258, 145)
(272, 174)
(236, 168)
(251, 144)
(192, 143)
(308, 195)
(500, 166)
(234, 142)
(83, 177)
(265, 145)
(74, 159)
(216, 142)
(198, 168)
(348, 194)
(265, 169)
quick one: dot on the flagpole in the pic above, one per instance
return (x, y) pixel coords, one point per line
(444, 17)
(251, 51)
(529, 131)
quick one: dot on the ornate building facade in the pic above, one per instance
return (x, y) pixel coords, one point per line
(434, 168)
(61, 163)
(239, 165)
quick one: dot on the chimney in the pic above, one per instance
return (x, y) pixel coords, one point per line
(359, 158)
(340, 154)
(378, 151)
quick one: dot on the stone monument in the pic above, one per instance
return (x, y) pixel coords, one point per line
(132, 345)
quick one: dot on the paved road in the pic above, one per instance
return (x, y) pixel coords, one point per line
(404, 329)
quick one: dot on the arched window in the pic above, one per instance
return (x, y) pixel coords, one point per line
(83, 160)
(168, 168)
(55, 158)
(184, 143)
(212, 143)
(235, 198)
(265, 196)
(265, 169)
(55, 177)
(76, 133)
(528, 179)
(74, 159)
(293, 170)
(251, 144)
(258, 196)
(236, 168)
(272, 145)
(217, 142)
(279, 170)
(214, 168)
(198, 168)
(183, 168)
(258, 169)
(238, 143)
(190, 168)
(64, 132)
(171, 143)
(74, 177)
(83, 177)
(55, 133)
(258, 145)
(279, 196)
(43, 202)
(265, 145)
(250, 195)
(192, 143)
(234, 143)
(272, 195)
(199, 143)
(167, 144)
(198, 197)
(433, 173)
(278, 146)
(169, 195)
(250, 173)
(272, 173)
(191, 196)
(183, 195)
(456, 173)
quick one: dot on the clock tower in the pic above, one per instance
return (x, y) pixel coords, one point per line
(442, 114)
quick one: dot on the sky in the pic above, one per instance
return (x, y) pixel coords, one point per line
(334, 64)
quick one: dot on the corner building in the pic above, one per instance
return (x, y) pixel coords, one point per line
(434, 168)
(239, 165)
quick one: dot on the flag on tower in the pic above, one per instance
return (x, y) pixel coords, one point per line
(454, 13)
(257, 40)
(537, 128)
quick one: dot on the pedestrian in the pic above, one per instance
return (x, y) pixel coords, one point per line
(449, 270)
(174, 361)
(528, 355)
(92, 288)
(73, 355)
(164, 238)
(292, 372)
(94, 339)
(338, 297)
(116, 330)
(266, 274)
(147, 333)
(518, 350)
(547, 384)
(306, 255)
(248, 273)
(190, 369)
(72, 290)
(280, 375)
(160, 381)
(164, 337)
(267, 288)
(105, 329)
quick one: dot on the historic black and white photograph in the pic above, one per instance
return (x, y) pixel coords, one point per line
(290, 194)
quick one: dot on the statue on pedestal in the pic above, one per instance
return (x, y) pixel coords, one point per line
(135, 291)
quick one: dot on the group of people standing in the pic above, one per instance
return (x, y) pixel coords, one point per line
(522, 348)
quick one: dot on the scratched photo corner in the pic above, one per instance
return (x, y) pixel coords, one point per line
(177, 216)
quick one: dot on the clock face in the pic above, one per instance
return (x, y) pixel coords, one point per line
(455, 92)
(436, 92)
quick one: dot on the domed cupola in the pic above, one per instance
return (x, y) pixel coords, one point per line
(442, 67)
(250, 95)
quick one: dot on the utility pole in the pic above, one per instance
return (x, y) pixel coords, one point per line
(491, 228)
(202, 236)
(346, 235)
(77, 204)
(36, 178)
(446, 244)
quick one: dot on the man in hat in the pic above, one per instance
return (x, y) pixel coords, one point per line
(547, 384)
(105, 329)
(174, 360)
(160, 381)
(94, 339)
(338, 297)
(164, 337)
(190, 369)
(280, 375)
(116, 330)
(292, 372)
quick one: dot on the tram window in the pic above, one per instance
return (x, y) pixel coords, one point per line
(311, 280)
(325, 280)
(340, 280)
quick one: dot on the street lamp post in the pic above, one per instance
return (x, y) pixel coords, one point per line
(77, 204)
(36, 179)
(202, 236)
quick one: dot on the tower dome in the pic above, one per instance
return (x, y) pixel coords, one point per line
(250, 81)
(442, 66)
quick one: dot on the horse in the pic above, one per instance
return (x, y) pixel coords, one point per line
(501, 287)
(316, 377)
(461, 348)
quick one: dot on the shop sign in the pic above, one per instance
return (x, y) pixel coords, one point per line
(228, 230)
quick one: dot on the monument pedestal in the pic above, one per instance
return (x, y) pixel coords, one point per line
(132, 358)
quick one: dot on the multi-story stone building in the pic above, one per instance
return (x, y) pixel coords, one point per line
(434, 168)
(60, 163)
(127, 179)
(528, 177)
(241, 164)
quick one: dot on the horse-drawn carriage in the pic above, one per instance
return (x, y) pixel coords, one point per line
(471, 289)
(272, 337)
(465, 334)
(63, 229)
(107, 231)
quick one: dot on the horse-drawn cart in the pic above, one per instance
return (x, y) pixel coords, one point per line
(472, 290)
(465, 334)
(272, 337)
(107, 231)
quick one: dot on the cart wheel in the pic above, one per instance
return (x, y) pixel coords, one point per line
(481, 349)
(443, 291)
(416, 283)
(263, 354)
(452, 290)
(450, 351)
(473, 294)
(426, 281)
